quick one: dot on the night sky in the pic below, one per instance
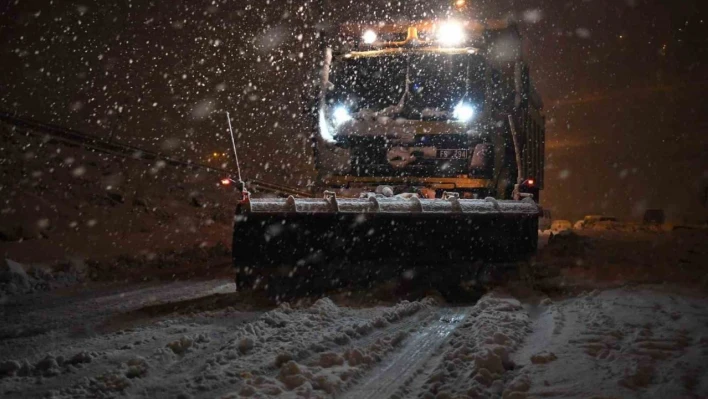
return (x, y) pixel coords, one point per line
(623, 83)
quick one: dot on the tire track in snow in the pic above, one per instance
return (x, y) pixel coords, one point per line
(387, 378)
(322, 362)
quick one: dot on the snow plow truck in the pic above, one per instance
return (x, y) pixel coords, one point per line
(428, 141)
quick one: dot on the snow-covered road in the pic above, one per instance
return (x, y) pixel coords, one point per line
(397, 372)
(80, 310)
(630, 342)
(586, 319)
(622, 342)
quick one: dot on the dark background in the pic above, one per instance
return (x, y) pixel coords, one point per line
(623, 83)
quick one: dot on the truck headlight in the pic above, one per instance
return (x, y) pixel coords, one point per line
(340, 115)
(369, 37)
(450, 34)
(463, 112)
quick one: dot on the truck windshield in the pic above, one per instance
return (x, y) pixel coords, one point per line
(435, 81)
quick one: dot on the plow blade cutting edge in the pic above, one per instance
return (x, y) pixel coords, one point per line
(289, 243)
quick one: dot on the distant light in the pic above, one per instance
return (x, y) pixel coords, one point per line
(226, 182)
(460, 3)
(450, 34)
(216, 154)
(341, 115)
(463, 112)
(369, 37)
(530, 182)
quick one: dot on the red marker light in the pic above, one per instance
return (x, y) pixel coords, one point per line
(225, 182)
(530, 182)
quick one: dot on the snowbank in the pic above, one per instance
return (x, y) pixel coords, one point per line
(17, 278)
(628, 227)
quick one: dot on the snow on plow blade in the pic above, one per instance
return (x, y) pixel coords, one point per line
(331, 238)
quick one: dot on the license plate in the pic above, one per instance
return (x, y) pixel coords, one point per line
(453, 153)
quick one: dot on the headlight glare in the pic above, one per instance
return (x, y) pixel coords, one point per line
(463, 112)
(450, 34)
(341, 115)
(369, 37)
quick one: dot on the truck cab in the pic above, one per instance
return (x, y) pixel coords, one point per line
(429, 106)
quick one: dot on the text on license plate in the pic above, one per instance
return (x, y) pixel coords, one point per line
(453, 153)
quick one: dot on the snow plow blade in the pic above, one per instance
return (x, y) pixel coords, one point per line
(282, 243)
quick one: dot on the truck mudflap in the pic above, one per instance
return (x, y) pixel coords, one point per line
(328, 242)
